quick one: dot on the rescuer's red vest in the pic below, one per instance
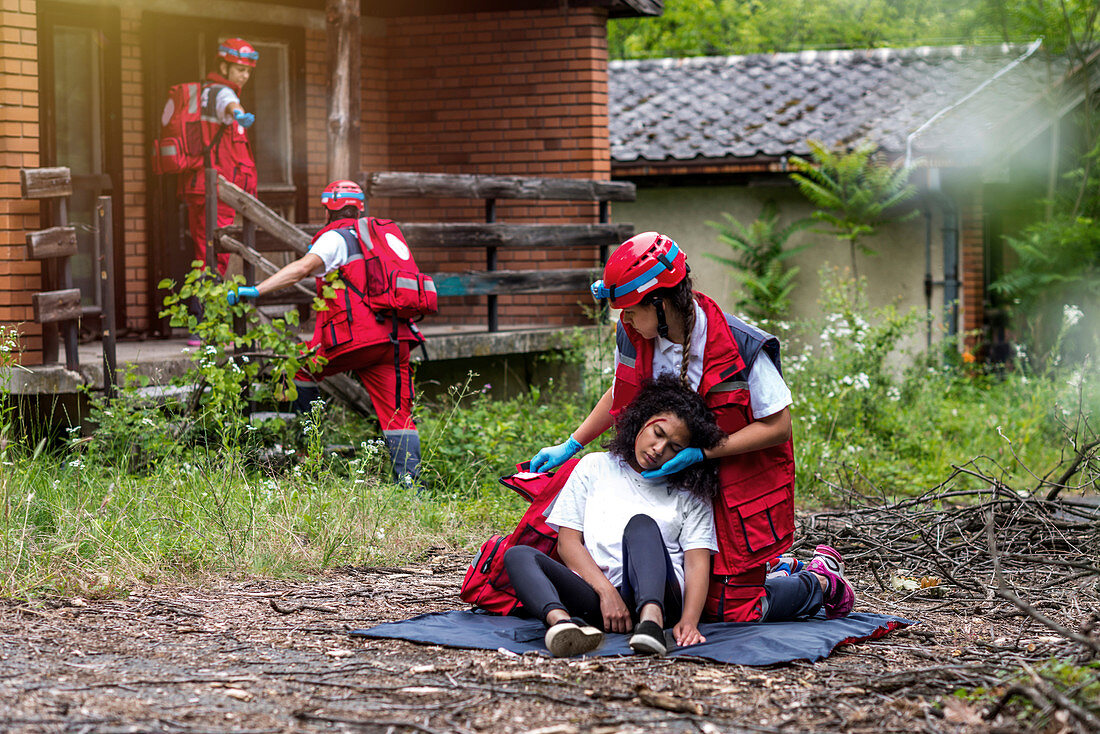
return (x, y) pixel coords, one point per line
(232, 156)
(348, 323)
(754, 512)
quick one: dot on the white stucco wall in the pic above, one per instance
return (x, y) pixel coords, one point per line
(895, 275)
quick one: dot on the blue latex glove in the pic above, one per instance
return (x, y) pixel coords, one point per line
(679, 462)
(245, 119)
(553, 456)
(245, 291)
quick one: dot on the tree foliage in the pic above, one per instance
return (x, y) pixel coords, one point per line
(724, 27)
(760, 261)
(854, 192)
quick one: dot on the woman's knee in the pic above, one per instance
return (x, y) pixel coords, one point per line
(519, 555)
(642, 523)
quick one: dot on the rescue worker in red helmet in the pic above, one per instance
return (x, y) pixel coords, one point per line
(369, 352)
(666, 327)
(224, 122)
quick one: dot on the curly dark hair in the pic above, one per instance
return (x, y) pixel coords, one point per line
(666, 394)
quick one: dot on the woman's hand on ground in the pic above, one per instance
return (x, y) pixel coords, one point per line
(616, 617)
(687, 634)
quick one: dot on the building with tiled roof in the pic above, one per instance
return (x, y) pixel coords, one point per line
(703, 136)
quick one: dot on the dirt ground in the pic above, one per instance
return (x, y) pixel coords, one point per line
(236, 655)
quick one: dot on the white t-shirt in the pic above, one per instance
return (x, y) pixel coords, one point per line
(603, 493)
(768, 393)
(226, 96)
(332, 248)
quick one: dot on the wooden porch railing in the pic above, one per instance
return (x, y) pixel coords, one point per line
(491, 236)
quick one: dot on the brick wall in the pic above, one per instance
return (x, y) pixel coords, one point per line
(972, 268)
(18, 149)
(135, 266)
(521, 93)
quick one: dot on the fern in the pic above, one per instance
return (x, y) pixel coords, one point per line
(759, 261)
(854, 192)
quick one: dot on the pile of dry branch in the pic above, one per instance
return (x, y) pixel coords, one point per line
(979, 544)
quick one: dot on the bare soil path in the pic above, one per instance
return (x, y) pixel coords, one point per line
(233, 655)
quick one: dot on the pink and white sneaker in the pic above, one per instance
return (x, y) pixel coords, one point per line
(839, 595)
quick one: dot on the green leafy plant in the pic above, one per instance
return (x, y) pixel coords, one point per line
(228, 364)
(760, 261)
(854, 192)
(1058, 268)
(9, 359)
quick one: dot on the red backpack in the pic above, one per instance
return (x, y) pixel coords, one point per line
(395, 286)
(181, 146)
(487, 584)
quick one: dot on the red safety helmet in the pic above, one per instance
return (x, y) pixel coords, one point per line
(339, 194)
(238, 51)
(645, 261)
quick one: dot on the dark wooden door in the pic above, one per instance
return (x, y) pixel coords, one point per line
(82, 128)
(182, 49)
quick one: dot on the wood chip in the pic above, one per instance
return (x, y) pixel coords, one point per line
(667, 702)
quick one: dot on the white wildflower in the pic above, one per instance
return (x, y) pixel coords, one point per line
(1071, 315)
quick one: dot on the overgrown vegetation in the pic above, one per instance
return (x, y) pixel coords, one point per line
(760, 262)
(723, 27)
(156, 492)
(855, 192)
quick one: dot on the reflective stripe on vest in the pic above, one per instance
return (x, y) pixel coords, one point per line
(730, 386)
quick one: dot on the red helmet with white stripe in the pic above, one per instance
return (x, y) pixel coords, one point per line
(238, 51)
(644, 262)
(339, 194)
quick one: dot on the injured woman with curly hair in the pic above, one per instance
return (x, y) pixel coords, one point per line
(636, 552)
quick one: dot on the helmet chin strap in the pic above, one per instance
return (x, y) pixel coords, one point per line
(662, 323)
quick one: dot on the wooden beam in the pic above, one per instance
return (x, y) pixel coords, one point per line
(515, 235)
(473, 234)
(499, 282)
(46, 183)
(470, 186)
(252, 208)
(54, 306)
(260, 262)
(344, 35)
(52, 242)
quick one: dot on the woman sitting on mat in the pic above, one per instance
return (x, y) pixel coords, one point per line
(636, 551)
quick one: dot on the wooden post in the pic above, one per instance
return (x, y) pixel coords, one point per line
(491, 264)
(104, 224)
(344, 36)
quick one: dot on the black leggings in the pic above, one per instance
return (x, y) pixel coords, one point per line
(543, 584)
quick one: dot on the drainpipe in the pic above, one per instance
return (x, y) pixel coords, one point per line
(949, 230)
(928, 270)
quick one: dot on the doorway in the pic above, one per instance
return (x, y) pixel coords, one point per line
(183, 49)
(80, 80)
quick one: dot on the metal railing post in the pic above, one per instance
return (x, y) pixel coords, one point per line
(105, 240)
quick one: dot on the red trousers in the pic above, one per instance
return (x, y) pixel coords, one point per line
(390, 390)
(196, 224)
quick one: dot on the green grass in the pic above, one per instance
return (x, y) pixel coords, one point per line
(155, 494)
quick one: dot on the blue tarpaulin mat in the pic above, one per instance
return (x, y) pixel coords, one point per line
(736, 643)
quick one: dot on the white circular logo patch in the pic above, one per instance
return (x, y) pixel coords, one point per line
(399, 248)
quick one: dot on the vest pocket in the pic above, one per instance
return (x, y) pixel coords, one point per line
(336, 331)
(762, 526)
(731, 408)
(735, 598)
